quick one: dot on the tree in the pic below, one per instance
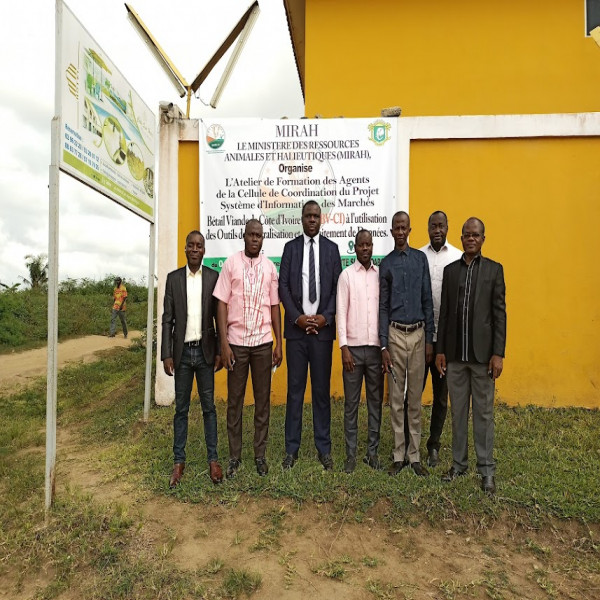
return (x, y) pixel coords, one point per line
(9, 288)
(37, 265)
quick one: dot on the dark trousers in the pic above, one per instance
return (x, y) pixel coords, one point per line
(257, 359)
(299, 354)
(470, 384)
(367, 366)
(439, 407)
(113, 321)
(192, 365)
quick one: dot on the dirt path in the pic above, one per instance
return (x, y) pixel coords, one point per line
(20, 368)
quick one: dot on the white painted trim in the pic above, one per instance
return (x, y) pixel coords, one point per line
(168, 218)
(502, 126)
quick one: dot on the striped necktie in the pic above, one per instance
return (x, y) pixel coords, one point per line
(312, 280)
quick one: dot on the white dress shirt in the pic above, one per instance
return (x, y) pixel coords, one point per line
(310, 308)
(437, 261)
(193, 284)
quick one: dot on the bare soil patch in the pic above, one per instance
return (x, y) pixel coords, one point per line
(18, 369)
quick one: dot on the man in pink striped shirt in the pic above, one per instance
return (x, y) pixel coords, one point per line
(248, 296)
(358, 320)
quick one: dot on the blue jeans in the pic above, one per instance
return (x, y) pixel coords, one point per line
(193, 363)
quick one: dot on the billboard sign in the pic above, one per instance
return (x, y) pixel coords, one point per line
(107, 131)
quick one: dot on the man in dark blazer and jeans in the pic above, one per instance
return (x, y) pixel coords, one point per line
(190, 347)
(470, 344)
(308, 276)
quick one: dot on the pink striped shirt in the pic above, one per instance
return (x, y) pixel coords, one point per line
(249, 287)
(357, 311)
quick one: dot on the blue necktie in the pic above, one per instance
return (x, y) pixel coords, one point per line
(312, 280)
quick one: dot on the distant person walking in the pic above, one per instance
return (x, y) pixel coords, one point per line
(119, 307)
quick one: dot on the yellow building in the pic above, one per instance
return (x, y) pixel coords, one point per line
(498, 121)
(533, 179)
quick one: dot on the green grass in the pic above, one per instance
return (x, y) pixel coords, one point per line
(547, 469)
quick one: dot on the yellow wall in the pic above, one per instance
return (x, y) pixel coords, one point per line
(438, 57)
(538, 199)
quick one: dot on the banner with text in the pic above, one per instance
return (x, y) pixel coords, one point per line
(107, 130)
(267, 169)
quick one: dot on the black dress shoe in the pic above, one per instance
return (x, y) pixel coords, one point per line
(433, 458)
(373, 461)
(262, 468)
(289, 461)
(396, 467)
(405, 461)
(232, 467)
(419, 469)
(488, 485)
(326, 461)
(350, 464)
(452, 474)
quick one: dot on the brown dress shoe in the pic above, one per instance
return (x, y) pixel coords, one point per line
(216, 473)
(176, 475)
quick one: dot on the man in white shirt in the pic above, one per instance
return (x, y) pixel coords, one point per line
(439, 254)
(191, 349)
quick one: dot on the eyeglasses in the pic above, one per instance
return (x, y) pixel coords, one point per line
(467, 235)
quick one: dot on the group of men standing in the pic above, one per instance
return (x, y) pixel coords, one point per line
(433, 309)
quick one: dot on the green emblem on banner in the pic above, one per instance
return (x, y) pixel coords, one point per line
(215, 136)
(380, 132)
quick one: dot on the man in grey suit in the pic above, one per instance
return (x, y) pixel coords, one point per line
(190, 348)
(470, 345)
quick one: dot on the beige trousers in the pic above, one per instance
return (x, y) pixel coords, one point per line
(407, 351)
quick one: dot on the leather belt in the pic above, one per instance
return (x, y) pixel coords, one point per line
(193, 343)
(406, 328)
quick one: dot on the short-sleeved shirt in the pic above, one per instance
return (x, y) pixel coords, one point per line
(119, 295)
(249, 287)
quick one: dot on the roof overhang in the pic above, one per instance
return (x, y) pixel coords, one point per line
(295, 11)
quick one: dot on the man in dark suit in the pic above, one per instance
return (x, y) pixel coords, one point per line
(470, 344)
(310, 267)
(190, 347)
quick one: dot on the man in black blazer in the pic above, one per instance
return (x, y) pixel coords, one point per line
(190, 347)
(470, 343)
(310, 267)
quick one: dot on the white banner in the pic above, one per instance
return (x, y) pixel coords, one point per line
(107, 132)
(267, 169)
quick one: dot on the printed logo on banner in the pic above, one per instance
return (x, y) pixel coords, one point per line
(380, 132)
(215, 136)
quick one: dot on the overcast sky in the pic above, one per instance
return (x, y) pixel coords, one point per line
(98, 236)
